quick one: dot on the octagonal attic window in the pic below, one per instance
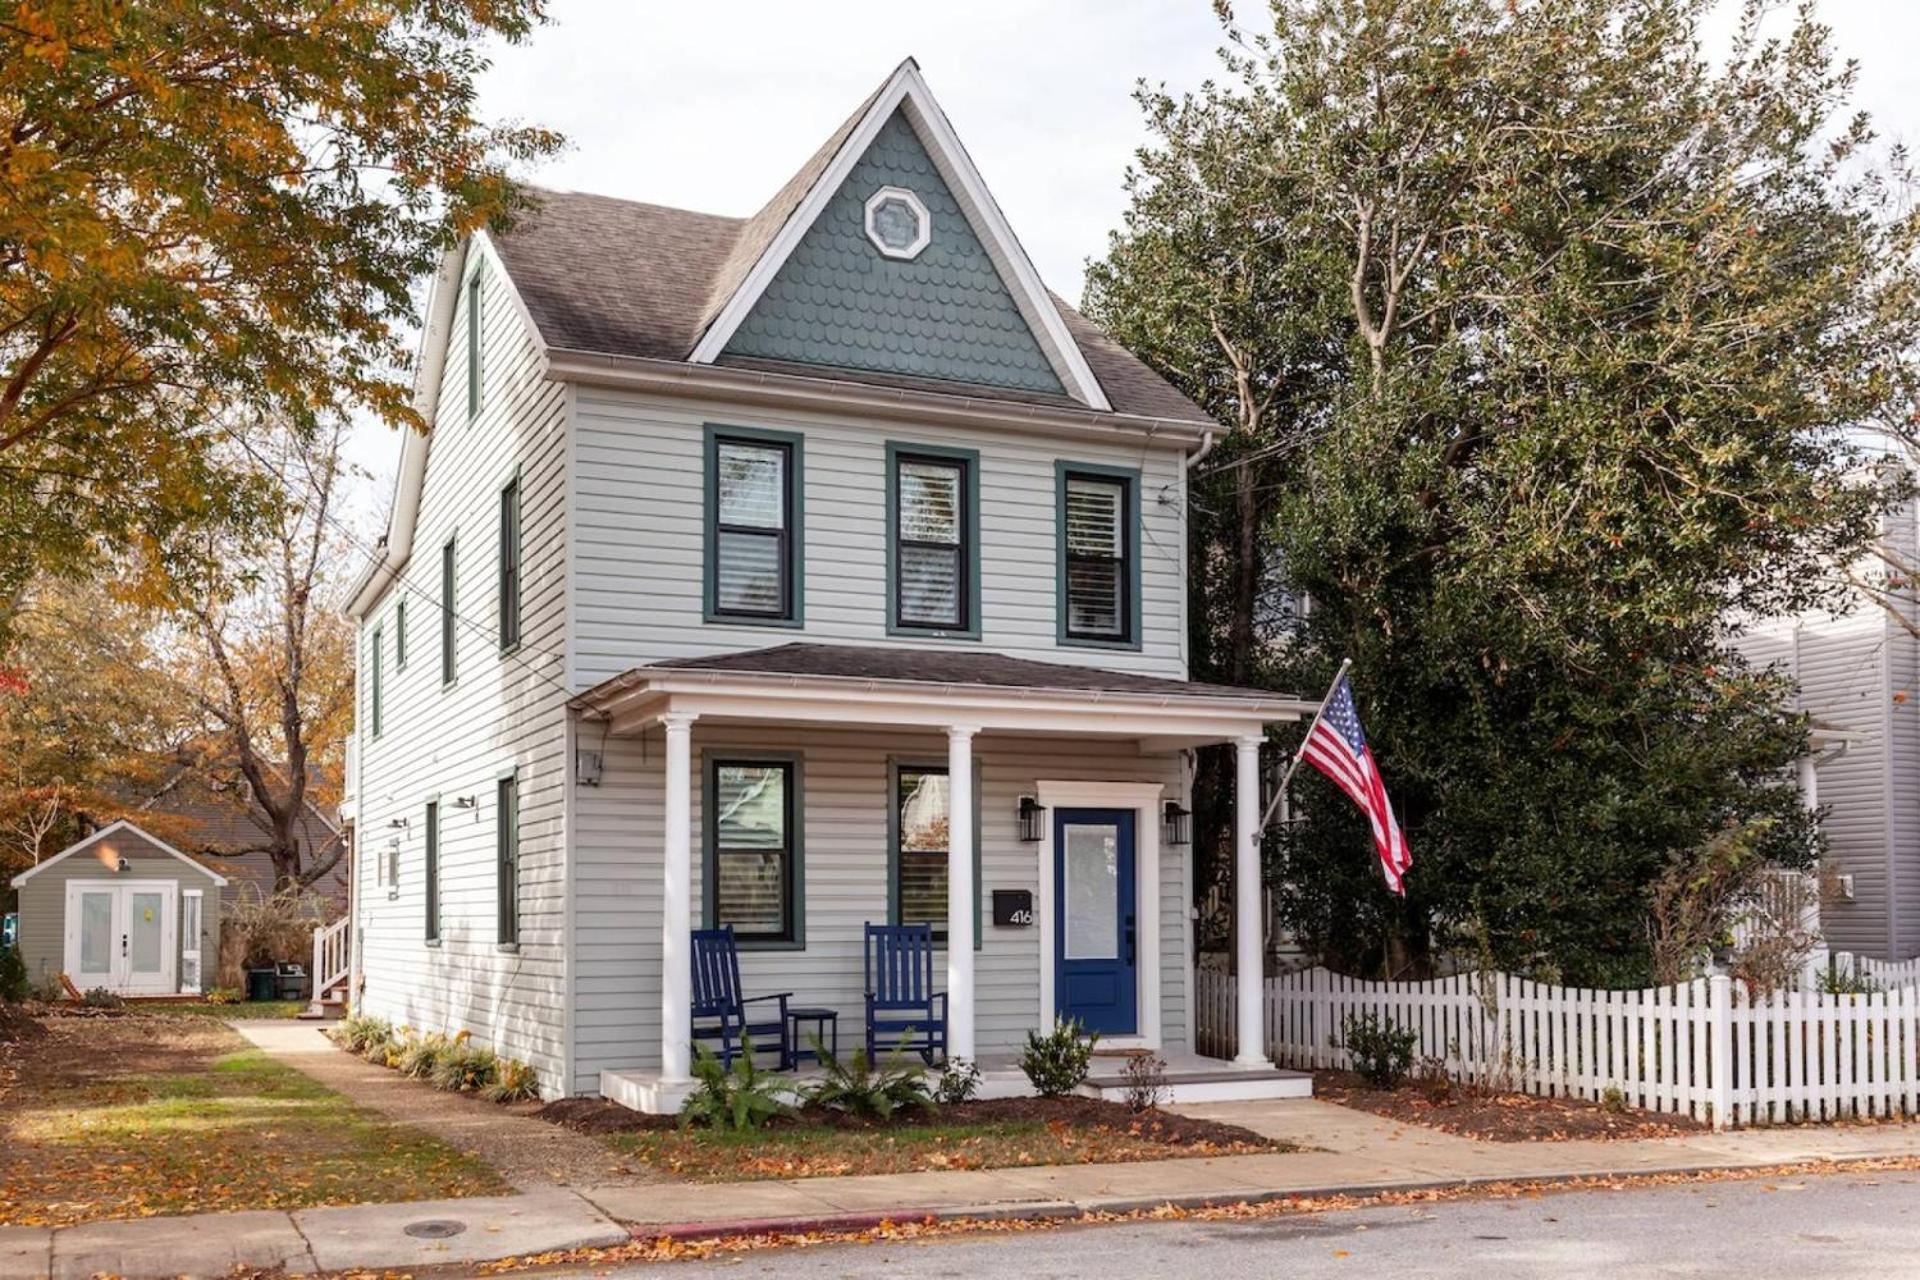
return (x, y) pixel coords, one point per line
(898, 223)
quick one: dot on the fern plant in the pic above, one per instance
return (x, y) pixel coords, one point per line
(857, 1087)
(741, 1099)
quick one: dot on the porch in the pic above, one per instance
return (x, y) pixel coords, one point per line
(1053, 785)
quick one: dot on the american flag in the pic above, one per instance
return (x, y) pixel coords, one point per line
(1337, 747)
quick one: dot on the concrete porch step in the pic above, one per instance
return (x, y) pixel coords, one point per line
(1222, 1084)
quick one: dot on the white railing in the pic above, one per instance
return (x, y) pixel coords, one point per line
(332, 959)
(1706, 1048)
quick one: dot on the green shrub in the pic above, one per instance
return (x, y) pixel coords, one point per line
(48, 989)
(1380, 1052)
(1057, 1062)
(512, 1082)
(857, 1087)
(101, 998)
(741, 1099)
(461, 1068)
(14, 986)
(959, 1082)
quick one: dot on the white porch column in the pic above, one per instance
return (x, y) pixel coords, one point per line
(960, 917)
(1809, 782)
(676, 916)
(1250, 963)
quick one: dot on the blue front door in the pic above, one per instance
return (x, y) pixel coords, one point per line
(1093, 925)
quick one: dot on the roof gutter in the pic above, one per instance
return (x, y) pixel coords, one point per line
(785, 390)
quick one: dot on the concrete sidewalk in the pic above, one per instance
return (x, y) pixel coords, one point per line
(1356, 1152)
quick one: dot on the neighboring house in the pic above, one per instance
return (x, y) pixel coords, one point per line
(1859, 678)
(792, 573)
(209, 812)
(124, 910)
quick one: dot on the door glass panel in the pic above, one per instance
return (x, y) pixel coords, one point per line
(1092, 891)
(96, 931)
(143, 927)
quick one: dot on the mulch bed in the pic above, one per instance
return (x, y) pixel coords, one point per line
(599, 1116)
(1498, 1117)
(16, 1024)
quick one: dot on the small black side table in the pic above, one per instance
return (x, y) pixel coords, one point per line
(826, 1026)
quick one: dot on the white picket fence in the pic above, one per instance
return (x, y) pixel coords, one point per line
(1884, 973)
(1706, 1048)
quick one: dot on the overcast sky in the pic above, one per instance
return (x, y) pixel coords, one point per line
(711, 106)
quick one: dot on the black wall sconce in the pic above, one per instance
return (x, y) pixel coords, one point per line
(1031, 818)
(1176, 824)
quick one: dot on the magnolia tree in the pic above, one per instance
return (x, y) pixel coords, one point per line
(1543, 342)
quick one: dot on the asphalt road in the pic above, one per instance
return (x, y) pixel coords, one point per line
(1835, 1226)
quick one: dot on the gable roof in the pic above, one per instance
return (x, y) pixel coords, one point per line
(624, 290)
(102, 834)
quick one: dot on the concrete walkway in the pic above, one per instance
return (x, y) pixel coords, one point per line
(1354, 1152)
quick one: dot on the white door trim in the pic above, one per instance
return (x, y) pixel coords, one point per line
(1144, 799)
(121, 981)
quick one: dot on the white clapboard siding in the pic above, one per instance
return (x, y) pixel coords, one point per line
(638, 524)
(504, 711)
(844, 821)
(1708, 1049)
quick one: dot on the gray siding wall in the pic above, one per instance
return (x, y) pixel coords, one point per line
(43, 902)
(1860, 673)
(504, 711)
(844, 816)
(640, 537)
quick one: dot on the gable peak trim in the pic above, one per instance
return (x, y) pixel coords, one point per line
(122, 824)
(906, 90)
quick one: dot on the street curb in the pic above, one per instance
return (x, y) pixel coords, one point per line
(1048, 1210)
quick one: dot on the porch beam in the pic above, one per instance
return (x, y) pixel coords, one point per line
(676, 917)
(960, 913)
(1250, 965)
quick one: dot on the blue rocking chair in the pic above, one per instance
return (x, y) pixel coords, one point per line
(716, 995)
(903, 1009)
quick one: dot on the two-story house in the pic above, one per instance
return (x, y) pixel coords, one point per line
(792, 573)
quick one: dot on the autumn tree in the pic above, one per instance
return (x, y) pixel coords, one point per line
(88, 716)
(205, 206)
(265, 652)
(1609, 317)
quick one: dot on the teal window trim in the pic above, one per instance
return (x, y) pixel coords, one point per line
(475, 343)
(1130, 525)
(430, 871)
(449, 601)
(969, 459)
(794, 937)
(376, 699)
(510, 564)
(506, 821)
(400, 634)
(917, 764)
(793, 562)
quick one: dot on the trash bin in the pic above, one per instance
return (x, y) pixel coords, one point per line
(261, 984)
(292, 982)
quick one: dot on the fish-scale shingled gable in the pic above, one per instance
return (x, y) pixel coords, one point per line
(945, 314)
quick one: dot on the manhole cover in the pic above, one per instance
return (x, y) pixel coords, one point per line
(435, 1229)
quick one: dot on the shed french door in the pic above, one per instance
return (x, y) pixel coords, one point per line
(123, 935)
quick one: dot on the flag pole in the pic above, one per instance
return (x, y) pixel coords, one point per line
(1301, 750)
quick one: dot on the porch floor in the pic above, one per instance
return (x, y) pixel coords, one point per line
(1189, 1078)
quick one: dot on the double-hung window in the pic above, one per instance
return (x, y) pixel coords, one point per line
(375, 691)
(932, 501)
(430, 873)
(1099, 558)
(507, 815)
(921, 825)
(753, 849)
(510, 564)
(753, 527)
(448, 635)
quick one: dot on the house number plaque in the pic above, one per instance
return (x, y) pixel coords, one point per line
(1013, 907)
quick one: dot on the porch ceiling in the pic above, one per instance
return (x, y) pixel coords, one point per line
(808, 684)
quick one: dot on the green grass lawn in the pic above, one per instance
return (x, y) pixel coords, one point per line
(247, 1009)
(129, 1117)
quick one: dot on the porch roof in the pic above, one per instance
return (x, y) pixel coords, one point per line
(931, 688)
